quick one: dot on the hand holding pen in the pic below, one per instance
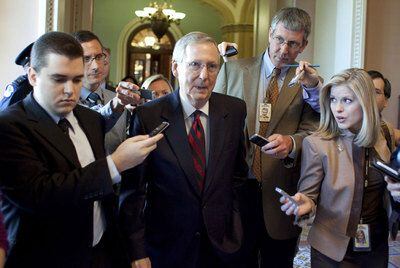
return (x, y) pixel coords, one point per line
(306, 74)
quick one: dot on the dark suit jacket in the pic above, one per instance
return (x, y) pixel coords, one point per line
(165, 221)
(48, 196)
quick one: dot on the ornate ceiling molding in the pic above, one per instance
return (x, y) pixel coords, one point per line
(359, 22)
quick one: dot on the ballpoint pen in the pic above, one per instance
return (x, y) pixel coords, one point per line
(297, 65)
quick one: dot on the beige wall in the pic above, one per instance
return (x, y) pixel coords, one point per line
(18, 27)
(382, 51)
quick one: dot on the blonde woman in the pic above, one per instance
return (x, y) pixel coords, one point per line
(337, 184)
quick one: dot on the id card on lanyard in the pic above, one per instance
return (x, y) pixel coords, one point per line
(362, 241)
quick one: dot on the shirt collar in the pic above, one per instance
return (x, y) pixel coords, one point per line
(102, 86)
(72, 120)
(85, 93)
(70, 116)
(187, 107)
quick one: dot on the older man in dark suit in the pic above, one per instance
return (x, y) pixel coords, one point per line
(57, 182)
(188, 216)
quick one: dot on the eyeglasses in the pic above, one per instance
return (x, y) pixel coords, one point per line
(197, 66)
(280, 41)
(98, 57)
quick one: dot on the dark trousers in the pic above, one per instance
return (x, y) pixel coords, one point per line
(259, 248)
(377, 258)
(208, 258)
(108, 253)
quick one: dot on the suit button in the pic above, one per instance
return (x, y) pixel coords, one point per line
(204, 206)
(197, 234)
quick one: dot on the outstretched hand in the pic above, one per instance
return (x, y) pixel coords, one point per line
(310, 77)
(302, 206)
(222, 50)
(134, 151)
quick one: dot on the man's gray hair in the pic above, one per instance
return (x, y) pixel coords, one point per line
(189, 39)
(293, 19)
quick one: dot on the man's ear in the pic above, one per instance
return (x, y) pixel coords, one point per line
(174, 68)
(32, 76)
(270, 32)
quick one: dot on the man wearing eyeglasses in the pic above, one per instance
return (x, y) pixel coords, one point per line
(95, 95)
(184, 212)
(284, 116)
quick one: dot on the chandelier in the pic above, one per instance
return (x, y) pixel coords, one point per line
(160, 17)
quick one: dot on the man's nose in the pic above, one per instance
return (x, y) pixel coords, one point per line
(285, 47)
(203, 72)
(69, 87)
(94, 64)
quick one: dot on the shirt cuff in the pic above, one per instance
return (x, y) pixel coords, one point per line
(311, 95)
(115, 176)
(293, 153)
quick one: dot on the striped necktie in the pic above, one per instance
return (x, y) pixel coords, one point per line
(197, 145)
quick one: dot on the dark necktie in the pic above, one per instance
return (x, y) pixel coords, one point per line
(94, 99)
(271, 96)
(64, 124)
(197, 145)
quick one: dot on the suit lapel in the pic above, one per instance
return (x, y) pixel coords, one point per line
(250, 91)
(286, 97)
(176, 137)
(217, 130)
(47, 128)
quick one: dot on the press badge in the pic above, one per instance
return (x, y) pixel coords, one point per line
(362, 240)
(264, 114)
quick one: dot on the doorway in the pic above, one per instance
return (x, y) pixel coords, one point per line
(146, 55)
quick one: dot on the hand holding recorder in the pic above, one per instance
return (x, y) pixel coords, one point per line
(227, 49)
(134, 151)
(277, 146)
(298, 204)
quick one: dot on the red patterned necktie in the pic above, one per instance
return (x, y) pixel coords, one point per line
(197, 145)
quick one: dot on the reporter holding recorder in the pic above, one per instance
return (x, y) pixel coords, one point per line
(338, 184)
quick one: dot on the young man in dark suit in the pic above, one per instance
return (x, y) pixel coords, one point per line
(57, 182)
(187, 215)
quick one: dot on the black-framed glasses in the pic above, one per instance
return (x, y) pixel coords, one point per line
(98, 57)
(197, 66)
(279, 40)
